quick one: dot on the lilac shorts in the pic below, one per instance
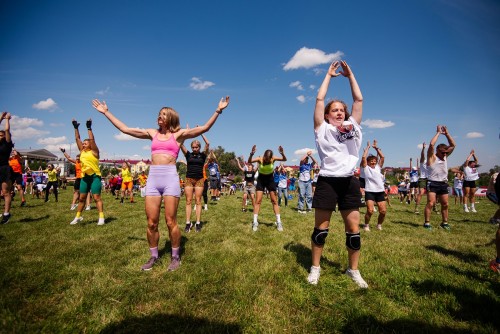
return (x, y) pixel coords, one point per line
(163, 180)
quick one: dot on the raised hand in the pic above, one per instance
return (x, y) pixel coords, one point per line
(62, 149)
(346, 70)
(75, 123)
(254, 148)
(280, 149)
(101, 107)
(375, 144)
(332, 71)
(223, 103)
(89, 124)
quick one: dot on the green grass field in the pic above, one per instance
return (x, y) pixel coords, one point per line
(87, 279)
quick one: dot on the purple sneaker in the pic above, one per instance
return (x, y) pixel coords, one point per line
(149, 265)
(174, 263)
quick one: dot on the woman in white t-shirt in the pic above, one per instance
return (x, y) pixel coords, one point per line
(338, 141)
(374, 185)
(470, 176)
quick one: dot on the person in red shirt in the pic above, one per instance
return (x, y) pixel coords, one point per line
(17, 174)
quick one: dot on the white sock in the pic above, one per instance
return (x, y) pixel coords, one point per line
(278, 218)
(472, 206)
(255, 218)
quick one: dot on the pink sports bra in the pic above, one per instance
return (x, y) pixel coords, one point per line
(169, 146)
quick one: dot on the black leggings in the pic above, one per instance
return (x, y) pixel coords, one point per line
(51, 184)
(205, 191)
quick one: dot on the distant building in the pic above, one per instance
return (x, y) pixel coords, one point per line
(39, 155)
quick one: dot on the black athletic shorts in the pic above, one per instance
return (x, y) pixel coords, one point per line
(376, 197)
(330, 191)
(440, 188)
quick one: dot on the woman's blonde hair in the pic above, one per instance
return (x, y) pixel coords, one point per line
(170, 118)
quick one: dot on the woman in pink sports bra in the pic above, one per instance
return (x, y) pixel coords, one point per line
(163, 180)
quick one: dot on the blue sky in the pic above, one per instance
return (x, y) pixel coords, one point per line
(418, 63)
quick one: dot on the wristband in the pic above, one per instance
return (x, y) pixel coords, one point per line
(219, 112)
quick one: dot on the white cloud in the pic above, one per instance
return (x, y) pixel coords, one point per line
(123, 137)
(301, 98)
(474, 135)
(24, 122)
(103, 91)
(27, 133)
(197, 84)
(51, 140)
(377, 124)
(307, 58)
(318, 71)
(296, 84)
(23, 128)
(48, 104)
(312, 87)
(303, 151)
(56, 124)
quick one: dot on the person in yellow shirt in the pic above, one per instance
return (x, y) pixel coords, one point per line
(52, 174)
(91, 173)
(78, 179)
(127, 182)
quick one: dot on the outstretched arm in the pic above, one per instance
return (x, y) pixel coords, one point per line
(67, 156)
(471, 155)
(207, 144)
(102, 107)
(250, 157)
(422, 155)
(319, 109)
(6, 116)
(357, 97)
(184, 149)
(93, 145)
(78, 140)
(451, 141)
(381, 157)
(364, 163)
(195, 132)
(430, 151)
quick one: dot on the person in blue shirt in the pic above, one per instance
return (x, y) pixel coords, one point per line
(305, 182)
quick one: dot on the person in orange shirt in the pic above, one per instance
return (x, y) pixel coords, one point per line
(17, 174)
(78, 175)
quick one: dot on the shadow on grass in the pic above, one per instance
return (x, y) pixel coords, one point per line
(303, 255)
(495, 284)
(472, 306)
(368, 324)
(409, 224)
(166, 323)
(466, 257)
(33, 219)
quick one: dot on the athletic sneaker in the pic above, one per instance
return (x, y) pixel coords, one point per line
(356, 277)
(197, 227)
(473, 209)
(445, 226)
(188, 228)
(494, 221)
(314, 274)
(495, 266)
(416, 212)
(100, 222)
(427, 226)
(366, 227)
(301, 211)
(149, 265)
(466, 209)
(23, 203)
(87, 208)
(255, 226)
(379, 227)
(73, 207)
(205, 207)
(243, 210)
(5, 219)
(76, 220)
(174, 263)
(279, 226)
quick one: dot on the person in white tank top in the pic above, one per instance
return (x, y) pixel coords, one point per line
(422, 180)
(437, 175)
(470, 176)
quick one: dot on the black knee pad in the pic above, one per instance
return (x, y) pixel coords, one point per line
(353, 241)
(319, 236)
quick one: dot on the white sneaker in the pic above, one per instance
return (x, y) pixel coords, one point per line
(205, 207)
(73, 207)
(466, 209)
(76, 220)
(255, 226)
(366, 227)
(473, 209)
(356, 277)
(379, 227)
(87, 208)
(279, 226)
(314, 274)
(100, 222)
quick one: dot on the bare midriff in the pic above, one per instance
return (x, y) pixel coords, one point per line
(163, 159)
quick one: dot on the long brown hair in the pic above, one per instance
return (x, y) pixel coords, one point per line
(346, 109)
(171, 119)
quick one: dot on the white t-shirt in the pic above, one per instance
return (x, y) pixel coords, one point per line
(438, 171)
(338, 149)
(471, 174)
(374, 180)
(423, 170)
